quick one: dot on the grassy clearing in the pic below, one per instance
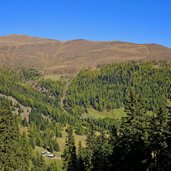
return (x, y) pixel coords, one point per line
(23, 130)
(61, 140)
(150, 113)
(169, 103)
(58, 160)
(55, 161)
(53, 77)
(116, 114)
(113, 114)
(57, 77)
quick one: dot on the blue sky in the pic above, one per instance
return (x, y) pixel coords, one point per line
(140, 21)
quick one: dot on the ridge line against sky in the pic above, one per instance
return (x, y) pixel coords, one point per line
(53, 39)
(145, 21)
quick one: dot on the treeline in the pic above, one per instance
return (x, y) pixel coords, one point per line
(142, 142)
(105, 88)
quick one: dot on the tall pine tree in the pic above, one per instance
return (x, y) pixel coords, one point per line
(129, 146)
(158, 136)
(69, 155)
(9, 138)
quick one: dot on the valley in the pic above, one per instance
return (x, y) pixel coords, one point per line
(50, 108)
(85, 85)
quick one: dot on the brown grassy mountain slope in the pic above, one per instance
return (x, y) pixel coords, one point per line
(70, 56)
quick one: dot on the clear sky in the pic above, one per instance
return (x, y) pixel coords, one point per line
(140, 21)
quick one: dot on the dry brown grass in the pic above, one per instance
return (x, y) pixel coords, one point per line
(59, 57)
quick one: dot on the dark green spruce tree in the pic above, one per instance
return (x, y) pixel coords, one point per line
(101, 153)
(24, 151)
(9, 138)
(90, 142)
(69, 155)
(129, 145)
(158, 140)
(81, 157)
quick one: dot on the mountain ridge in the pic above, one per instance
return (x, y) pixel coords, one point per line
(54, 56)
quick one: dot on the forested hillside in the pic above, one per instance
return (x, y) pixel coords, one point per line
(106, 87)
(122, 110)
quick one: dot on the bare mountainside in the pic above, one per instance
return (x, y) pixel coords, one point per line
(52, 56)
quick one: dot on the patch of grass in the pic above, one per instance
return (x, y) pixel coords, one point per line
(23, 130)
(150, 113)
(53, 77)
(113, 114)
(55, 161)
(61, 140)
(169, 103)
(57, 77)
